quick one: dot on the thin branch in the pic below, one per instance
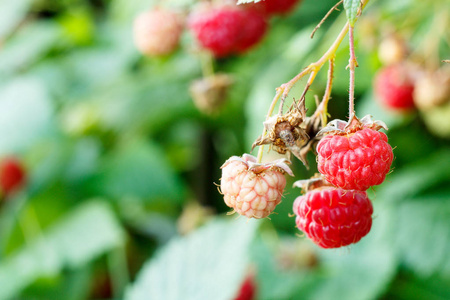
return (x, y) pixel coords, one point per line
(352, 65)
(326, 16)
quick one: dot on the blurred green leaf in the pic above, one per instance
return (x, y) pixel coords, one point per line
(138, 170)
(25, 114)
(86, 233)
(416, 177)
(273, 282)
(11, 14)
(28, 45)
(368, 105)
(209, 264)
(423, 234)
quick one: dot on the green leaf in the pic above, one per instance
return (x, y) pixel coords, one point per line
(209, 264)
(138, 170)
(351, 9)
(28, 45)
(82, 236)
(413, 179)
(25, 114)
(423, 234)
(11, 14)
(273, 282)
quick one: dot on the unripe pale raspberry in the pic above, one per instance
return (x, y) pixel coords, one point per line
(227, 29)
(157, 32)
(253, 189)
(355, 161)
(12, 175)
(394, 88)
(332, 217)
(392, 50)
(432, 89)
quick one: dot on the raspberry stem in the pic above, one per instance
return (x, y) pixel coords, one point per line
(322, 109)
(207, 65)
(352, 65)
(283, 91)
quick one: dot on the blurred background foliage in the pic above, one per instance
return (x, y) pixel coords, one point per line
(121, 165)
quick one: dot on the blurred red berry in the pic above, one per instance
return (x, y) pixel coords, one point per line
(274, 7)
(394, 87)
(333, 217)
(248, 290)
(355, 161)
(227, 29)
(12, 175)
(252, 31)
(157, 32)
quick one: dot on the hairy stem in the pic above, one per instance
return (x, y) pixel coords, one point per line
(352, 65)
(322, 109)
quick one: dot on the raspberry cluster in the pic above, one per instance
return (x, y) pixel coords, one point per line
(352, 156)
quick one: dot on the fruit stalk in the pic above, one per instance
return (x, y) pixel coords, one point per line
(352, 65)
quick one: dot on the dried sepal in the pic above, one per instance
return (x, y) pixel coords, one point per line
(317, 181)
(251, 162)
(292, 132)
(342, 127)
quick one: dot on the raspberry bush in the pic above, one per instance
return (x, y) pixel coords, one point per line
(215, 150)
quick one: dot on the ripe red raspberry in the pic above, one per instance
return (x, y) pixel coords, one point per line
(394, 88)
(252, 31)
(248, 289)
(157, 32)
(253, 189)
(274, 7)
(355, 161)
(12, 175)
(227, 29)
(332, 217)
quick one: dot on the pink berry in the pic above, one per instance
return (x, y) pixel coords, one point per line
(12, 175)
(227, 29)
(355, 161)
(157, 32)
(332, 217)
(253, 189)
(394, 87)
